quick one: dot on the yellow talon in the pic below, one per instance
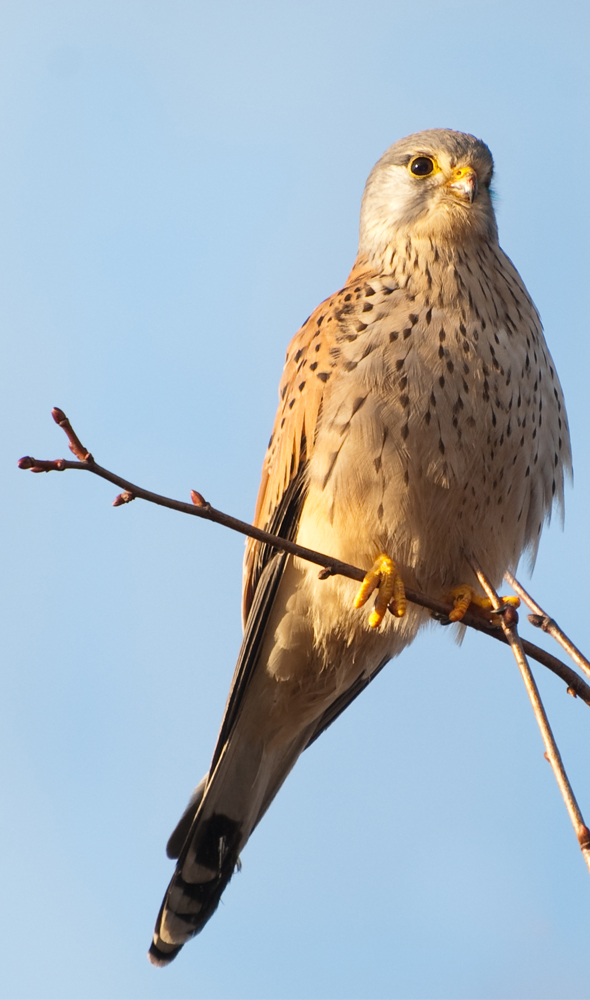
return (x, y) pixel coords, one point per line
(384, 577)
(465, 595)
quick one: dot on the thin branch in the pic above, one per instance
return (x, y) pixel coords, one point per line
(331, 567)
(551, 752)
(76, 447)
(542, 620)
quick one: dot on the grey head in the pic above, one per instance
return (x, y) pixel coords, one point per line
(432, 184)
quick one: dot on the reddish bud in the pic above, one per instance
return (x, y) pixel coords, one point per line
(325, 573)
(510, 615)
(125, 497)
(39, 465)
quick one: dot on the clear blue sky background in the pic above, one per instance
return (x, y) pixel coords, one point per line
(180, 185)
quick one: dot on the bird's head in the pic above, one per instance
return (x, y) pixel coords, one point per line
(433, 184)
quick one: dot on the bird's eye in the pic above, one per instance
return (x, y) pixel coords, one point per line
(422, 166)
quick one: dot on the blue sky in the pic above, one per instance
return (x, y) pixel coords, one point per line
(180, 185)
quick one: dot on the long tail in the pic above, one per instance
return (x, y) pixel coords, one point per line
(226, 807)
(267, 725)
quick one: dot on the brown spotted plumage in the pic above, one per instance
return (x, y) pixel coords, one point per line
(420, 416)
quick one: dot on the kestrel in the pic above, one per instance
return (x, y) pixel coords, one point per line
(421, 424)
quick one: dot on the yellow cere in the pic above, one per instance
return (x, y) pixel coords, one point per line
(460, 172)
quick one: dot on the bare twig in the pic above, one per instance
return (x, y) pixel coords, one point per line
(331, 567)
(76, 447)
(542, 620)
(551, 752)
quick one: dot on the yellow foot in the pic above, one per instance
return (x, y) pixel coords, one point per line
(464, 596)
(384, 577)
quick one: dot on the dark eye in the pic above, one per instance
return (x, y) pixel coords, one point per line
(421, 166)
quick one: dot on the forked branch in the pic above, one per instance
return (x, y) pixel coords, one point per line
(551, 751)
(540, 619)
(331, 567)
(508, 616)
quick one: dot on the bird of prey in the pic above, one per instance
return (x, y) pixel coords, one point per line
(421, 425)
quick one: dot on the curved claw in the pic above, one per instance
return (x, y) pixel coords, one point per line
(463, 596)
(384, 577)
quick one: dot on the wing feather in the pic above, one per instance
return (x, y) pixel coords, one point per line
(308, 367)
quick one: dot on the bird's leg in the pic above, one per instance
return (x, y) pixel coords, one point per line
(464, 597)
(384, 577)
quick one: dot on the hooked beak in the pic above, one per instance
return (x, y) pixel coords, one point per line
(463, 184)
